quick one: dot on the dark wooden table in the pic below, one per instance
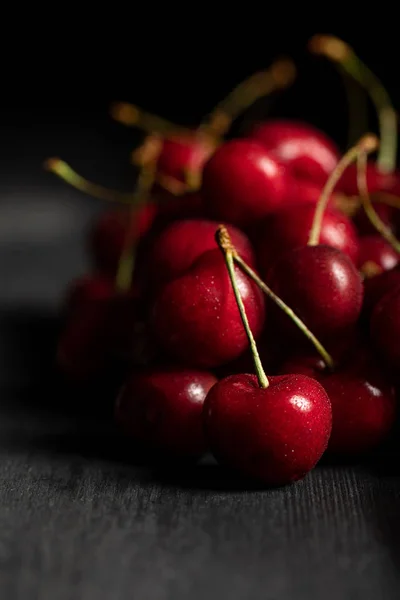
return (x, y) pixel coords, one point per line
(81, 519)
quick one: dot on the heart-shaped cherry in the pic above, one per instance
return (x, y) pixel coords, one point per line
(272, 429)
(306, 151)
(363, 402)
(196, 319)
(180, 244)
(290, 228)
(385, 328)
(376, 255)
(242, 183)
(162, 409)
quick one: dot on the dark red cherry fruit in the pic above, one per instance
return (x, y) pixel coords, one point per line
(178, 246)
(385, 328)
(322, 286)
(307, 152)
(242, 183)
(162, 409)
(376, 255)
(363, 402)
(375, 288)
(275, 434)
(364, 226)
(290, 228)
(376, 181)
(181, 154)
(196, 319)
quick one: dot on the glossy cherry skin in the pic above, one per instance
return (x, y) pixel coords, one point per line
(385, 328)
(375, 288)
(364, 225)
(276, 434)
(376, 255)
(307, 151)
(196, 319)
(290, 228)
(162, 409)
(376, 181)
(363, 402)
(180, 244)
(84, 345)
(243, 183)
(181, 153)
(322, 286)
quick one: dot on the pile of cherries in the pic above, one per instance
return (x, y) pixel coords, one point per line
(235, 256)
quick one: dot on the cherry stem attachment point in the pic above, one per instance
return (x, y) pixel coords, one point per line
(370, 211)
(368, 143)
(326, 357)
(224, 241)
(280, 75)
(340, 52)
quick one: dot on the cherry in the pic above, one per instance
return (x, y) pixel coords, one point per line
(363, 403)
(184, 155)
(162, 409)
(290, 228)
(178, 246)
(376, 255)
(307, 152)
(385, 328)
(322, 286)
(242, 183)
(275, 434)
(375, 288)
(363, 224)
(377, 181)
(195, 317)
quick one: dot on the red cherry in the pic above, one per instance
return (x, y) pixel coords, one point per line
(163, 409)
(376, 255)
(364, 226)
(307, 152)
(178, 246)
(375, 288)
(322, 286)
(84, 345)
(275, 434)
(377, 181)
(181, 154)
(243, 183)
(196, 319)
(363, 403)
(290, 228)
(385, 328)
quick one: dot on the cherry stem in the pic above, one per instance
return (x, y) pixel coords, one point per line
(326, 357)
(340, 52)
(279, 76)
(370, 211)
(224, 242)
(368, 143)
(126, 263)
(67, 174)
(357, 108)
(133, 116)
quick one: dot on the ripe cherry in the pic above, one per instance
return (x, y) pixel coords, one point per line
(290, 228)
(307, 152)
(162, 409)
(363, 403)
(376, 255)
(196, 319)
(178, 246)
(385, 328)
(242, 183)
(375, 288)
(363, 224)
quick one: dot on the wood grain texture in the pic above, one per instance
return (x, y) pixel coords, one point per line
(82, 518)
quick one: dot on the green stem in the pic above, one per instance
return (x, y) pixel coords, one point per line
(370, 211)
(225, 244)
(326, 357)
(357, 108)
(367, 144)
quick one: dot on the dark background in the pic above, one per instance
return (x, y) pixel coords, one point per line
(81, 516)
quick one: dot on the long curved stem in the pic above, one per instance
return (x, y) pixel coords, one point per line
(367, 144)
(224, 242)
(133, 116)
(326, 357)
(371, 213)
(340, 52)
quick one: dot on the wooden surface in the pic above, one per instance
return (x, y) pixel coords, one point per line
(81, 519)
